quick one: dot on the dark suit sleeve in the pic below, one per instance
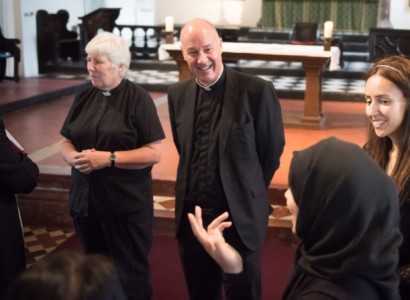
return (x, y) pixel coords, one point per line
(171, 111)
(270, 137)
(18, 173)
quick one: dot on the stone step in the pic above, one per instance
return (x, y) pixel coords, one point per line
(47, 206)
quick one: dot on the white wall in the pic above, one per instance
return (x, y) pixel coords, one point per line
(220, 12)
(400, 14)
(134, 11)
(28, 34)
(2, 12)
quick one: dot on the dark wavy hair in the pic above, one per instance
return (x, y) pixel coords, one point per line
(397, 70)
(69, 276)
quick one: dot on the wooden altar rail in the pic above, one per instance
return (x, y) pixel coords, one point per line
(146, 39)
(150, 36)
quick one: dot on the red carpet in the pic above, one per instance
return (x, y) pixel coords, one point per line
(167, 278)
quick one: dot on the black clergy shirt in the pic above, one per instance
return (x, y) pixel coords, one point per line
(205, 186)
(125, 119)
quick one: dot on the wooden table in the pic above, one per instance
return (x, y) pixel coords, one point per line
(313, 59)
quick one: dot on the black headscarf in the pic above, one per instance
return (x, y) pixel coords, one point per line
(348, 215)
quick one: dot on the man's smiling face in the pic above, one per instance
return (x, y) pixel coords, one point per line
(202, 50)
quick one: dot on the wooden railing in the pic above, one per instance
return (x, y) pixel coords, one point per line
(144, 39)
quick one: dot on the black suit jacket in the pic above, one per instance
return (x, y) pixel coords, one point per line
(19, 174)
(251, 140)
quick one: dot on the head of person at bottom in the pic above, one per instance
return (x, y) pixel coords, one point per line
(69, 276)
(108, 60)
(345, 213)
(202, 50)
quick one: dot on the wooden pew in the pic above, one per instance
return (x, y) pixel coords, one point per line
(9, 49)
(54, 40)
(388, 41)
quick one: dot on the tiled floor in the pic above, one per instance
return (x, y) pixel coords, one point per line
(38, 127)
(332, 88)
(41, 241)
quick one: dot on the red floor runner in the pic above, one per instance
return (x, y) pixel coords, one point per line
(167, 277)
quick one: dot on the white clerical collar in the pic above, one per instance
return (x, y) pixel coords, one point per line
(208, 87)
(113, 91)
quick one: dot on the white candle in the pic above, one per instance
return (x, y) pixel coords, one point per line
(328, 32)
(169, 24)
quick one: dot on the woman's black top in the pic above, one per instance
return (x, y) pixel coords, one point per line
(124, 120)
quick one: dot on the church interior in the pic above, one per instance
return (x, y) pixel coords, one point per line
(33, 108)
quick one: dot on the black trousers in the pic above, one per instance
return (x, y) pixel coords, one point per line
(127, 239)
(205, 279)
(12, 249)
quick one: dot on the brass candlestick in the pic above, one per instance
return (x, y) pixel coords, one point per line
(169, 37)
(327, 44)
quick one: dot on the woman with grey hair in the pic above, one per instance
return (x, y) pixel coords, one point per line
(112, 138)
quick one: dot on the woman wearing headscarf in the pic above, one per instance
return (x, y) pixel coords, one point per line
(345, 213)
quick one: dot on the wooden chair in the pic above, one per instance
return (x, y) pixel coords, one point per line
(304, 33)
(54, 41)
(9, 49)
(102, 18)
(385, 42)
(308, 33)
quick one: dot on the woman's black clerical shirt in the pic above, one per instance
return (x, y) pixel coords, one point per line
(125, 119)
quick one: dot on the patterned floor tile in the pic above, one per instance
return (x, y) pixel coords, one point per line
(352, 88)
(41, 241)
